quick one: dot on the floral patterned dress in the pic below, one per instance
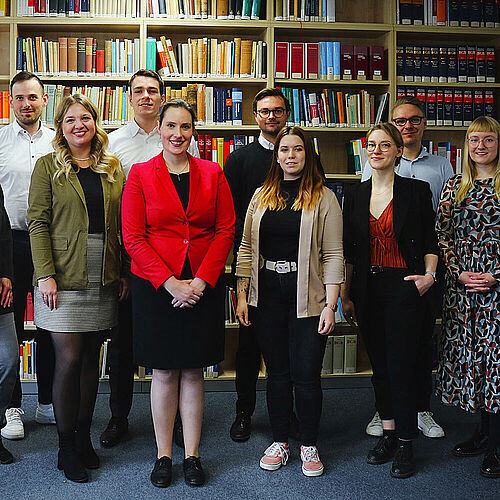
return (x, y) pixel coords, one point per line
(469, 237)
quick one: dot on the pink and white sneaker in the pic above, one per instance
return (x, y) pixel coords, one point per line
(275, 456)
(311, 464)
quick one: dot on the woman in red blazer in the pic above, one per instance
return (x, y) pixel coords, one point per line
(178, 227)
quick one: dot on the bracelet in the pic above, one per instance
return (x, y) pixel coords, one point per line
(333, 307)
(432, 273)
(41, 280)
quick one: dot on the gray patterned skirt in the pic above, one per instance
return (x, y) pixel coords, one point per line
(89, 310)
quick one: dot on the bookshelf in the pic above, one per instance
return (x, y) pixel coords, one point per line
(358, 22)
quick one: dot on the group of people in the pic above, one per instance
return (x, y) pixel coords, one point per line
(129, 236)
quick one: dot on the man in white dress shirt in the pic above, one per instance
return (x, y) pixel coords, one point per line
(21, 144)
(136, 142)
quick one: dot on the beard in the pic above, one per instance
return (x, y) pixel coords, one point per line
(28, 121)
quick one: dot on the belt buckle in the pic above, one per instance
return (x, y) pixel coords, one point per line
(282, 266)
(376, 269)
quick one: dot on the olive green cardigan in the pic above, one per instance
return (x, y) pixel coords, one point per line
(58, 225)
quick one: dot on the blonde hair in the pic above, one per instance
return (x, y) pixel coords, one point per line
(392, 131)
(101, 161)
(469, 171)
(311, 185)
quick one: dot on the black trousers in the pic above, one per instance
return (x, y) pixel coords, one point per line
(390, 326)
(45, 359)
(293, 351)
(121, 364)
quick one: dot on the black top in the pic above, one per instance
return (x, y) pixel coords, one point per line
(279, 229)
(92, 189)
(6, 265)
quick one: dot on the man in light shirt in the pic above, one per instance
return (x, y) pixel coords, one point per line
(408, 115)
(136, 142)
(21, 144)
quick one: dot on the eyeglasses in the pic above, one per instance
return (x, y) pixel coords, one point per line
(414, 120)
(383, 146)
(488, 142)
(277, 112)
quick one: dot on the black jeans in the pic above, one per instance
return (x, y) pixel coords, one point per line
(121, 364)
(390, 326)
(45, 359)
(293, 351)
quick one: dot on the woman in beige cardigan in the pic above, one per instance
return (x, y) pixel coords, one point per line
(290, 264)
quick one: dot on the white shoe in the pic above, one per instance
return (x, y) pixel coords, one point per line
(374, 428)
(45, 414)
(275, 456)
(14, 429)
(428, 425)
(311, 463)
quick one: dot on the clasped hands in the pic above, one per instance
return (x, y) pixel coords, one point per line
(477, 282)
(185, 293)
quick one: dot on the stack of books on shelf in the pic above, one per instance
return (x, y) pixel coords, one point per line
(340, 355)
(452, 107)
(330, 108)
(211, 371)
(207, 57)
(27, 360)
(446, 64)
(217, 149)
(207, 9)
(72, 56)
(356, 155)
(465, 13)
(4, 107)
(329, 61)
(305, 10)
(79, 8)
(449, 151)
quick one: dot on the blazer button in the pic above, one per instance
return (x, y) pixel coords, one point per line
(185, 242)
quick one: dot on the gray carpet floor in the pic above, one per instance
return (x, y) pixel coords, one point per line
(233, 470)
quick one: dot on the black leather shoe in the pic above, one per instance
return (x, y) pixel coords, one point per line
(83, 446)
(178, 432)
(193, 472)
(403, 465)
(69, 462)
(294, 428)
(241, 428)
(475, 445)
(383, 451)
(5, 455)
(161, 477)
(491, 463)
(116, 429)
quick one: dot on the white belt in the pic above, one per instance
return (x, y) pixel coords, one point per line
(282, 266)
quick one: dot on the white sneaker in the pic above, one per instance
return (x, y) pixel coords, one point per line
(45, 414)
(311, 464)
(14, 429)
(275, 456)
(374, 428)
(428, 425)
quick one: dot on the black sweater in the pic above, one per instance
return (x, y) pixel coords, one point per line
(6, 265)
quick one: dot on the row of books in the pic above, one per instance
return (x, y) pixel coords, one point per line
(217, 149)
(78, 56)
(27, 360)
(230, 302)
(207, 57)
(305, 10)
(452, 107)
(447, 150)
(445, 64)
(467, 13)
(207, 9)
(329, 61)
(4, 107)
(331, 108)
(79, 8)
(340, 355)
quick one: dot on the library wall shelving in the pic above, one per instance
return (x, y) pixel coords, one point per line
(357, 22)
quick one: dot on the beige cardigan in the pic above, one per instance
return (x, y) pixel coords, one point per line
(320, 260)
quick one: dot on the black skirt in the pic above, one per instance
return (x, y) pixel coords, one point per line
(167, 337)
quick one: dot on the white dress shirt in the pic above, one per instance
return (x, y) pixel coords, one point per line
(265, 143)
(131, 144)
(18, 154)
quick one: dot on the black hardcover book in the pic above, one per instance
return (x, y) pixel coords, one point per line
(53, 7)
(431, 107)
(405, 12)
(400, 92)
(420, 94)
(400, 61)
(458, 108)
(239, 7)
(471, 64)
(452, 64)
(480, 64)
(417, 63)
(468, 107)
(61, 7)
(426, 64)
(454, 12)
(435, 64)
(408, 64)
(489, 103)
(478, 103)
(490, 13)
(81, 47)
(448, 108)
(464, 13)
(443, 64)
(462, 63)
(418, 12)
(475, 13)
(490, 65)
(440, 107)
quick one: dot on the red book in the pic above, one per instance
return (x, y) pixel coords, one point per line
(43, 6)
(29, 308)
(208, 147)
(94, 56)
(89, 42)
(281, 60)
(346, 61)
(441, 12)
(36, 6)
(453, 159)
(100, 61)
(376, 62)
(106, 103)
(201, 146)
(77, 6)
(312, 61)
(226, 149)
(421, 94)
(296, 60)
(360, 62)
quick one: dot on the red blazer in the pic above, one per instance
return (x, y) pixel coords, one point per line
(158, 233)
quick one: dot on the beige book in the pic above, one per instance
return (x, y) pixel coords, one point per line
(168, 94)
(50, 55)
(199, 57)
(55, 50)
(194, 56)
(214, 47)
(213, 10)
(237, 55)
(204, 57)
(338, 354)
(183, 94)
(63, 55)
(326, 368)
(204, 9)
(171, 54)
(108, 54)
(350, 353)
(222, 9)
(72, 55)
(246, 58)
(192, 95)
(167, 56)
(40, 49)
(200, 103)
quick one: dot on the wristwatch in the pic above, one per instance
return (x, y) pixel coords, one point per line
(432, 273)
(333, 307)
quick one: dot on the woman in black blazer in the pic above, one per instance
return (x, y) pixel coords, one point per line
(391, 253)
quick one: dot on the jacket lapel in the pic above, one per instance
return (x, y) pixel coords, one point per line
(166, 182)
(401, 199)
(73, 180)
(363, 208)
(194, 181)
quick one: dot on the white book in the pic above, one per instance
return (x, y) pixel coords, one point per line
(330, 11)
(327, 366)
(209, 105)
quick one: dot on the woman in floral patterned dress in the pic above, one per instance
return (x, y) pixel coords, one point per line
(468, 227)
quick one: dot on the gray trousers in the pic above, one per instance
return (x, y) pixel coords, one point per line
(9, 361)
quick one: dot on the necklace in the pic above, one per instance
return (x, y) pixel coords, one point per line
(382, 192)
(186, 167)
(81, 159)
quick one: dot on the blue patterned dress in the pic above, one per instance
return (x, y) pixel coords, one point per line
(469, 237)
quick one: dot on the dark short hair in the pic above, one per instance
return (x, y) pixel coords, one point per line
(149, 73)
(24, 76)
(409, 99)
(178, 103)
(270, 92)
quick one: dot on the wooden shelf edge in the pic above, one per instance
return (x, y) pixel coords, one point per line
(357, 83)
(445, 30)
(76, 21)
(342, 177)
(210, 79)
(206, 23)
(457, 85)
(337, 26)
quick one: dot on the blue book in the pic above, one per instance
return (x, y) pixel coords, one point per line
(124, 103)
(239, 141)
(237, 98)
(84, 7)
(19, 54)
(296, 106)
(71, 7)
(336, 60)
(151, 53)
(305, 107)
(323, 65)
(114, 58)
(329, 60)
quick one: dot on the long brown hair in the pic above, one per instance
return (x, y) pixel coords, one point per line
(311, 185)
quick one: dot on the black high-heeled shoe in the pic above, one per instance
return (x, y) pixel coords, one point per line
(83, 445)
(68, 459)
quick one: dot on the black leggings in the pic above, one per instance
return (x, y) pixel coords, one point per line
(76, 378)
(490, 425)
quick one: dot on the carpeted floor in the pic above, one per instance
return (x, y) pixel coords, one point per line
(233, 471)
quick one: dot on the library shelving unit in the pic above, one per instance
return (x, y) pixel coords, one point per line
(358, 22)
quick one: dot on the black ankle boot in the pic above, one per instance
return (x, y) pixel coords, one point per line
(5, 455)
(69, 460)
(403, 465)
(477, 444)
(83, 445)
(491, 463)
(384, 449)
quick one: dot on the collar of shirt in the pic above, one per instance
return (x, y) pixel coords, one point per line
(18, 130)
(423, 153)
(135, 129)
(265, 143)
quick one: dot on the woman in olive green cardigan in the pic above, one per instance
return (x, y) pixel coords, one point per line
(74, 224)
